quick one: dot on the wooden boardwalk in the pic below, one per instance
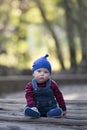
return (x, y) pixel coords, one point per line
(12, 117)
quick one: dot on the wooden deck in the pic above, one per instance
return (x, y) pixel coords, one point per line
(12, 117)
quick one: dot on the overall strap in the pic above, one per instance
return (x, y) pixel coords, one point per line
(48, 83)
(34, 84)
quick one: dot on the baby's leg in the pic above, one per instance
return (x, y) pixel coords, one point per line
(56, 112)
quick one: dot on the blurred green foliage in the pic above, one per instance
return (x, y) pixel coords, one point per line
(31, 28)
(16, 16)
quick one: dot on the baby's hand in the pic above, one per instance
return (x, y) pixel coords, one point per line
(64, 113)
(35, 109)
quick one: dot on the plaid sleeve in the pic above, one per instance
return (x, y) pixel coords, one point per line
(58, 95)
(29, 95)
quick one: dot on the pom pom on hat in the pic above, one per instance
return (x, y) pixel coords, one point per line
(42, 63)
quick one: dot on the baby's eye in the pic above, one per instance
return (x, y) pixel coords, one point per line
(39, 71)
(45, 72)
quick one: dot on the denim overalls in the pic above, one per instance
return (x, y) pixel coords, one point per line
(44, 97)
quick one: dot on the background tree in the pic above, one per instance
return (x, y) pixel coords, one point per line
(82, 8)
(68, 6)
(49, 26)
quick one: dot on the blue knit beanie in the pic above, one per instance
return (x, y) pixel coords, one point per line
(42, 63)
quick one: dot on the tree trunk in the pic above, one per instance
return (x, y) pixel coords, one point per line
(83, 26)
(82, 4)
(49, 26)
(70, 32)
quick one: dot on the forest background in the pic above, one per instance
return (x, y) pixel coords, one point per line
(31, 28)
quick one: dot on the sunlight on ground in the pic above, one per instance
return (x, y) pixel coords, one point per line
(75, 96)
(74, 92)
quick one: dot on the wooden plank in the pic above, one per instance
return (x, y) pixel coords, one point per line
(27, 126)
(12, 111)
(55, 121)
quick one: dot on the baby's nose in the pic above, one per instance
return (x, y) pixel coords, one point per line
(42, 73)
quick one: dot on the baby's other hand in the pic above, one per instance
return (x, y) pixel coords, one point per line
(64, 113)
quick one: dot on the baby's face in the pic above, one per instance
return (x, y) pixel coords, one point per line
(41, 75)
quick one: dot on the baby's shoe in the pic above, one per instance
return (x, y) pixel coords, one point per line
(30, 112)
